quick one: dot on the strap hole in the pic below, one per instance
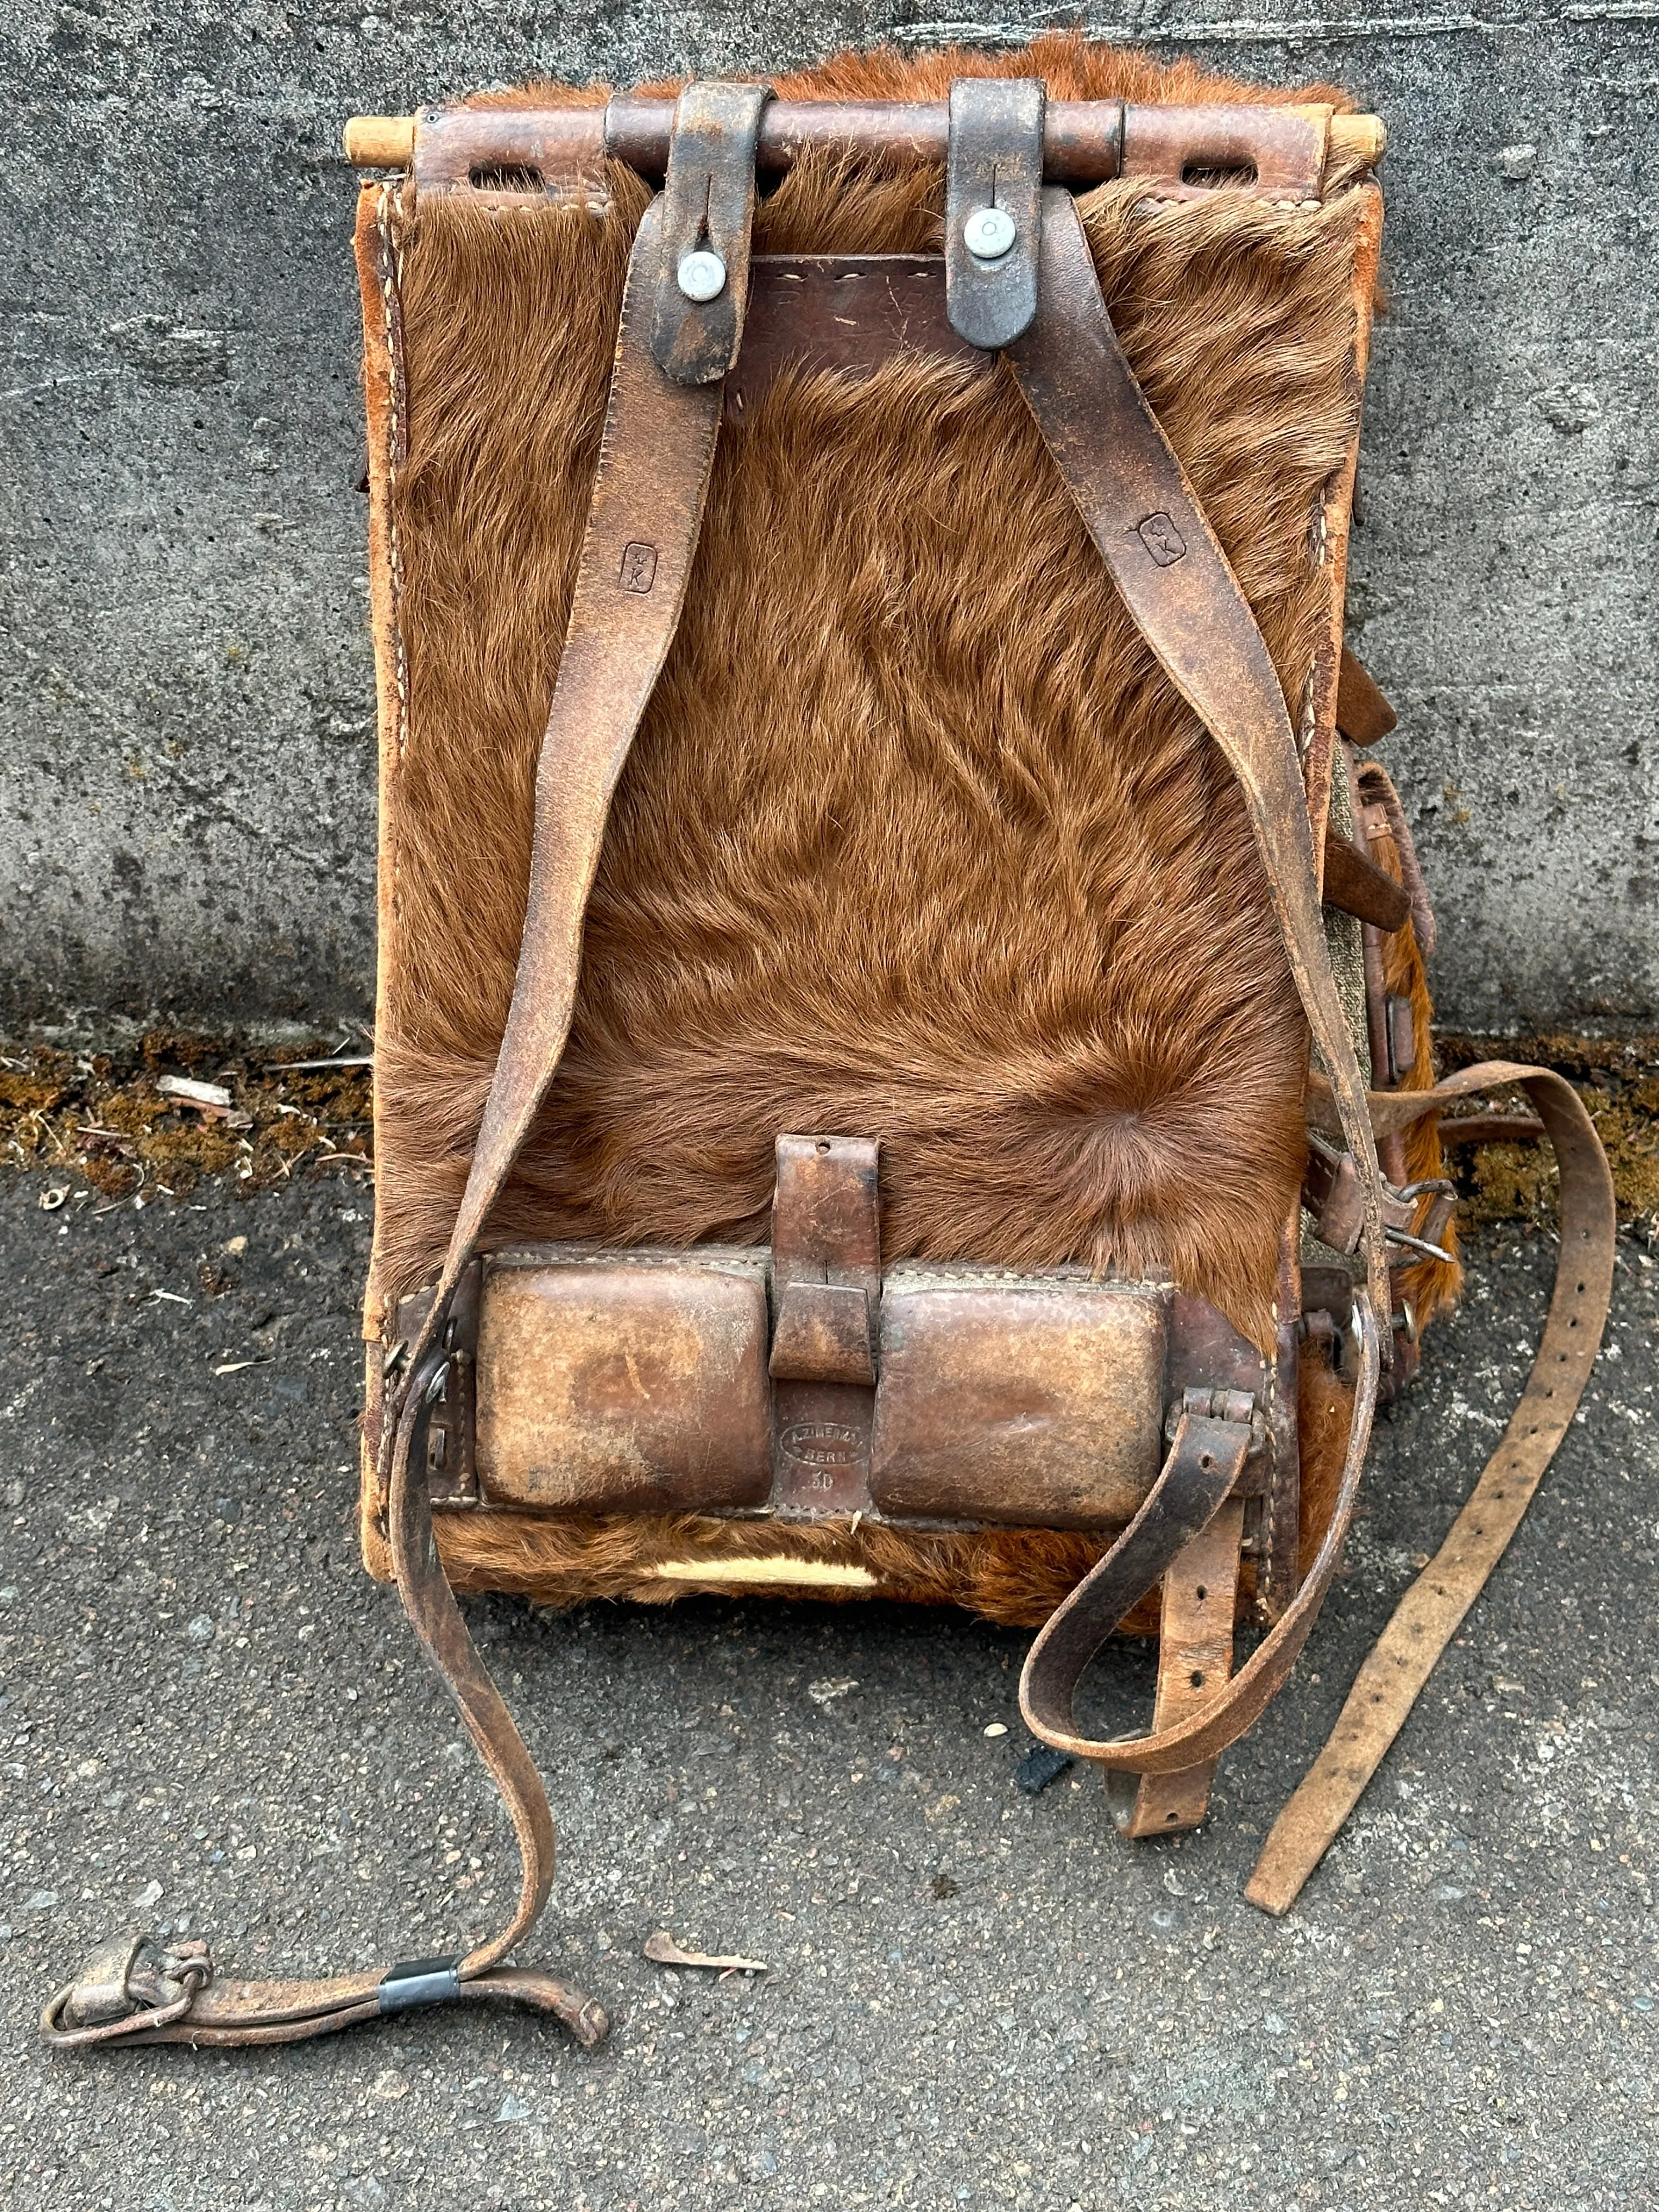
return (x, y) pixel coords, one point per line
(1217, 175)
(1170, 1819)
(1201, 1593)
(1206, 1461)
(506, 177)
(1196, 1677)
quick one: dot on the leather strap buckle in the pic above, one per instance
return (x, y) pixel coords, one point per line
(708, 209)
(994, 208)
(129, 1986)
(1333, 1194)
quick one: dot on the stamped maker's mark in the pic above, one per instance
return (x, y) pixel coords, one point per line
(639, 567)
(1162, 540)
(822, 1448)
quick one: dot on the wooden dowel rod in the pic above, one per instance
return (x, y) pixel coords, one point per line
(380, 142)
(1081, 140)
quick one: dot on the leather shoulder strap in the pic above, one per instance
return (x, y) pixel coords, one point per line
(647, 507)
(1144, 516)
(1074, 1633)
(1428, 1616)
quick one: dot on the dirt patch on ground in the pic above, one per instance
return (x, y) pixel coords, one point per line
(1618, 1079)
(111, 1119)
(107, 1117)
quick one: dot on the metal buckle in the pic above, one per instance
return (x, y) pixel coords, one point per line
(130, 1985)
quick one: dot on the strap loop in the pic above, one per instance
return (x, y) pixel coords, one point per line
(1063, 1649)
(708, 212)
(994, 207)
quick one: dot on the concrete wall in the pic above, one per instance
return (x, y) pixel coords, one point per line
(186, 701)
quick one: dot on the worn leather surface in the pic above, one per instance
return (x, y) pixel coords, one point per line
(1429, 1615)
(625, 1382)
(707, 204)
(849, 312)
(1016, 1400)
(1279, 152)
(643, 522)
(1355, 883)
(1177, 1508)
(994, 161)
(826, 1285)
(636, 1381)
(1273, 153)
(1362, 713)
(1194, 1658)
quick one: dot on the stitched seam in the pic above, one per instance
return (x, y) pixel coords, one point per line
(1173, 200)
(391, 272)
(1264, 1581)
(1307, 721)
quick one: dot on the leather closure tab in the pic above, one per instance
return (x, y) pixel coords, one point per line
(826, 1259)
(1362, 713)
(822, 1335)
(709, 209)
(826, 1289)
(1355, 884)
(452, 1471)
(994, 207)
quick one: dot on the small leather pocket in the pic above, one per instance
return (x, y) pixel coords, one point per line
(1030, 1401)
(623, 1383)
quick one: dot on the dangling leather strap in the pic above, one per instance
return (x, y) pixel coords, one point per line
(656, 457)
(1428, 1616)
(1144, 516)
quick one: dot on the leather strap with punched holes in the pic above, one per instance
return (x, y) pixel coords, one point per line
(1428, 1616)
(1144, 516)
(646, 512)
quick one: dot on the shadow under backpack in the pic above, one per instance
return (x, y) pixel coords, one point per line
(902, 1063)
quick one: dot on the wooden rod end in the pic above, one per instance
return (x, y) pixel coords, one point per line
(1360, 138)
(380, 142)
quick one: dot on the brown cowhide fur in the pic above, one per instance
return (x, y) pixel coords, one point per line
(916, 841)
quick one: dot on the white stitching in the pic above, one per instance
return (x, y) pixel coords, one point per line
(391, 274)
(1264, 1581)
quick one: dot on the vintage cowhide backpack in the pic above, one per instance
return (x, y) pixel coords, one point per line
(903, 1066)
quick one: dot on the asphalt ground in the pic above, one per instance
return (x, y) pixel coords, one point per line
(213, 1723)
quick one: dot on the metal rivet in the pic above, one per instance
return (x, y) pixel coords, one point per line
(702, 274)
(988, 233)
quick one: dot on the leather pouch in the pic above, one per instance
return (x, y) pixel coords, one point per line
(638, 1381)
